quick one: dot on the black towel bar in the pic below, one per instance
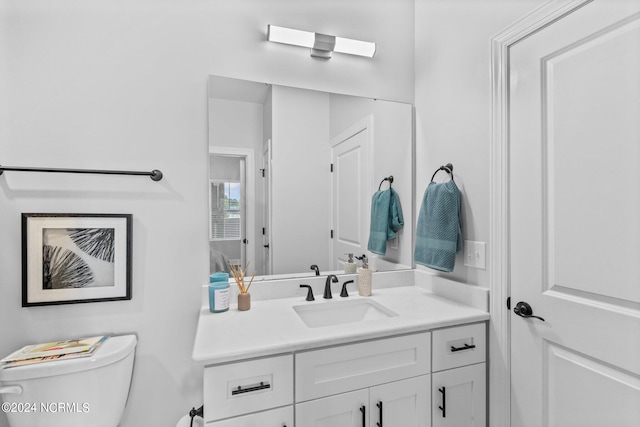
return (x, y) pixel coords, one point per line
(155, 174)
(448, 168)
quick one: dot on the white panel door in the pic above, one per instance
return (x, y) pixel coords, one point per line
(404, 403)
(574, 179)
(351, 192)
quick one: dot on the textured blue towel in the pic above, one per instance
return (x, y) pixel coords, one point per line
(438, 234)
(386, 220)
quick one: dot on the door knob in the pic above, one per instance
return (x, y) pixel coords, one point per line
(523, 309)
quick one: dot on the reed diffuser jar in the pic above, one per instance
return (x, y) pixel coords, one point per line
(244, 297)
(244, 301)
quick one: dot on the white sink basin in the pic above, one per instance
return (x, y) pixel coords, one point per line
(341, 312)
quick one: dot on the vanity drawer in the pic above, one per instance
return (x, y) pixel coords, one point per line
(351, 367)
(459, 346)
(239, 388)
(281, 417)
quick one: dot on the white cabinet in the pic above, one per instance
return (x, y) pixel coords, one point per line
(404, 403)
(459, 397)
(281, 417)
(241, 388)
(459, 346)
(458, 388)
(422, 379)
(372, 383)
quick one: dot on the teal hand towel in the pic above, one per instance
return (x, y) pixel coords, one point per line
(438, 233)
(386, 220)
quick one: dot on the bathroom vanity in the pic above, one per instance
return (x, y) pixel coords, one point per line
(405, 356)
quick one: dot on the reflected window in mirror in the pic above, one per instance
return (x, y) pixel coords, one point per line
(225, 210)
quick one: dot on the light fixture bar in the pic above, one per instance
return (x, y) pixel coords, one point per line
(355, 47)
(290, 36)
(321, 45)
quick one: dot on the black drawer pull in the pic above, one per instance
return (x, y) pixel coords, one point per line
(379, 405)
(443, 408)
(466, 347)
(261, 386)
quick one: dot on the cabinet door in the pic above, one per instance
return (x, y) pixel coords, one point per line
(405, 403)
(342, 410)
(280, 417)
(459, 397)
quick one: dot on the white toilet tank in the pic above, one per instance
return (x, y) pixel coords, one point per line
(88, 391)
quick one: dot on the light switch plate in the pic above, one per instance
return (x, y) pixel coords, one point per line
(475, 254)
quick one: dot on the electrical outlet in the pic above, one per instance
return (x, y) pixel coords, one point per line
(475, 254)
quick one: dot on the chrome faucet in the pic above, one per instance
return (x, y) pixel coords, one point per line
(327, 285)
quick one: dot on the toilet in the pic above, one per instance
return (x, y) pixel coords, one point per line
(87, 391)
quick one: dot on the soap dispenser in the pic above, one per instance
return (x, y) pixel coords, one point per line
(364, 277)
(350, 266)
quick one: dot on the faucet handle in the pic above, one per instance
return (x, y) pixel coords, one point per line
(309, 292)
(344, 292)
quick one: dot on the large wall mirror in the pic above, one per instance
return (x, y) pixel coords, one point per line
(292, 174)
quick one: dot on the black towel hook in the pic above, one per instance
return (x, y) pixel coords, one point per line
(389, 178)
(448, 168)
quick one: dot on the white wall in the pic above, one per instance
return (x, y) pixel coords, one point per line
(235, 124)
(122, 84)
(300, 188)
(453, 104)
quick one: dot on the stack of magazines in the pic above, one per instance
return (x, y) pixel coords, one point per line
(52, 351)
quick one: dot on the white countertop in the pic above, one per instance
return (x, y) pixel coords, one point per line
(273, 326)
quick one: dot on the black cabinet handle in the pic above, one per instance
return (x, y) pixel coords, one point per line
(379, 405)
(466, 347)
(443, 408)
(261, 386)
(364, 420)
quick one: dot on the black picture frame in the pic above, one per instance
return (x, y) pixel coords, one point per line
(70, 258)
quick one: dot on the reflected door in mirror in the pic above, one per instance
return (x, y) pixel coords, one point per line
(227, 212)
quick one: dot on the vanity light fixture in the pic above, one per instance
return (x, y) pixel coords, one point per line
(321, 45)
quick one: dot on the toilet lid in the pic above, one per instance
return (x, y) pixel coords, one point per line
(111, 351)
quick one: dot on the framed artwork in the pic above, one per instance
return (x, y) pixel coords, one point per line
(75, 258)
